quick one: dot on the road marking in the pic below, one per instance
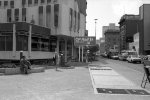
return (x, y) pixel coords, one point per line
(109, 79)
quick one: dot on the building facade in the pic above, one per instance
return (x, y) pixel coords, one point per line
(105, 43)
(112, 40)
(144, 40)
(111, 26)
(102, 45)
(40, 27)
(129, 25)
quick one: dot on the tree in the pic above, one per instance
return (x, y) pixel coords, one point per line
(93, 50)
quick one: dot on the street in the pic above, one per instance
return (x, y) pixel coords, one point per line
(68, 84)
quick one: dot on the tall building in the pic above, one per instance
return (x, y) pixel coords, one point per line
(112, 40)
(109, 31)
(111, 26)
(144, 34)
(128, 27)
(40, 27)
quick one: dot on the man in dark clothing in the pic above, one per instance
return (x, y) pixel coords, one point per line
(24, 65)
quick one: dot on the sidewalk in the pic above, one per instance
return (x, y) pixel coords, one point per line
(64, 84)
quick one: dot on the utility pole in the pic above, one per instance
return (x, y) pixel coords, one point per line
(95, 26)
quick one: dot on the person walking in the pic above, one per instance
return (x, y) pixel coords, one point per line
(57, 60)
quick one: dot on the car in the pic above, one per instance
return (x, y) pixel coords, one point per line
(134, 58)
(144, 57)
(123, 56)
(115, 57)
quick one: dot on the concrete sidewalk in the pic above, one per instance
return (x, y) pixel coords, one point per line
(64, 84)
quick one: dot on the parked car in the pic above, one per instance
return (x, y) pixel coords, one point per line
(134, 58)
(115, 57)
(126, 53)
(144, 57)
(123, 56)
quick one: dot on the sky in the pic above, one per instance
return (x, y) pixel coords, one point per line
(109, 11)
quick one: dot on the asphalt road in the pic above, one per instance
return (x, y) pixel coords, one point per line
(134, 66)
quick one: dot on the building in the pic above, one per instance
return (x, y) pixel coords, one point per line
(144, 40)
(135, 44)
(111, 26)
(40, 27)
(129, 25)
(112, 40)
(102, 45)
(105, 43)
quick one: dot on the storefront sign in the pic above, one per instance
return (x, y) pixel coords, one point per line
(83, 41)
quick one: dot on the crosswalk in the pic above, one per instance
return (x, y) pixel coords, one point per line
(106, 80)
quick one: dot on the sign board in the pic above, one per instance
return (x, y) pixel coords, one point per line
(83, 41)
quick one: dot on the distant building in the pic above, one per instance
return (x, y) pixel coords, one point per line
(112, 40)
(135, 44)
(102, 45)
(111, 26)
(129, 25)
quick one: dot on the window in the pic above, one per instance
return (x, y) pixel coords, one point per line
(35, 43)
(44, 44)
(22, 43)
(42, 1)
(24, 14)
(5, 3)
(40, 44)
(35, 1)
(56, 13)
(53, 44)
(12, 4)
(8, 15)
(23, 2)
(48, 1)
(0, 3)
(16, 15)
(2, 43)
(29, 2)
(48, 15)
(6, 42)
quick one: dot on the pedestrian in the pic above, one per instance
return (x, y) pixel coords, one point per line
(25, 65)
(57, 60)
(54, 59)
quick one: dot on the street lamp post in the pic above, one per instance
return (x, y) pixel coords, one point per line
(95, 26)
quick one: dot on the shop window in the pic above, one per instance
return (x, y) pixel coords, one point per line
(12, 4)
(6, 42)
(44, 44)
(40, 44)
(22, 43)
(2, 43)
(36, 44)
(53, 44)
